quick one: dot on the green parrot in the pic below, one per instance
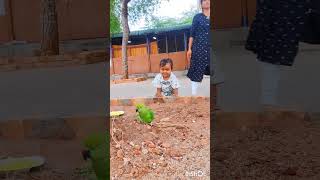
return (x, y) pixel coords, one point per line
(97, 150)
(144, 114)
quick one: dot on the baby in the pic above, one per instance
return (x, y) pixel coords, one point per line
(166, 82)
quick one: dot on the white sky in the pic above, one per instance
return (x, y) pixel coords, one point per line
(173, 8)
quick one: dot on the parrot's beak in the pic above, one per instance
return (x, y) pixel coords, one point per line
(86, 154)
(137, 110)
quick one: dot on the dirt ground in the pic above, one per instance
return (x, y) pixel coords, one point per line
(280, 146)
(63, 159)
(176, 146)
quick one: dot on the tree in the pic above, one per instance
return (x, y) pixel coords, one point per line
(125, 37)
(137, 9)
(50, 34)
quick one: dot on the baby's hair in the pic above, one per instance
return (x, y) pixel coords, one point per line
(164, 62)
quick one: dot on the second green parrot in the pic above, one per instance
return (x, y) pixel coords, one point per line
(97, 150)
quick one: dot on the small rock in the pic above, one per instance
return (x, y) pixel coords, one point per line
(125, 161)
(120, 153)
(159, 142)
(175, 153)
(137, 147)
(165, 119)
(177, 158)
(193, 121)
(120, 171)
(204, 142)
(134, 172)
(162, 164)
(154, 166)
(165, 145)
(291, 171)
(137, 152)
(161, 158)
(145, 151)
(157, 151)
(151, 145)
(131, 143)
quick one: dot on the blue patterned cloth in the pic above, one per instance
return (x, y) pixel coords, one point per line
(275, 33)
(200, 58)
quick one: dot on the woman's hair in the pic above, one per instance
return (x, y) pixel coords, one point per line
(164, 62)
(201, 1)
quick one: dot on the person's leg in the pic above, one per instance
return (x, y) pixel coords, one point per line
(270, 77)
(194, 87)
(217, 77)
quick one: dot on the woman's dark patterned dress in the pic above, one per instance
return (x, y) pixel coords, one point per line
(275, 33)
(200, 58)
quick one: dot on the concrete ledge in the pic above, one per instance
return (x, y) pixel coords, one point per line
(255, 119)
(67, 128)
(18, 63)
(131, 80)
(146, 101)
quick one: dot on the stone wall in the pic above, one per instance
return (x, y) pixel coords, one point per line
(18, 63)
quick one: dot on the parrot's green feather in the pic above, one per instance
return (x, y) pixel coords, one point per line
(98, 145)
(146, 115)
(95, 140)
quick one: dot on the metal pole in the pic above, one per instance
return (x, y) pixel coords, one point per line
(167, 50)
(148, 50)
(185, 41)
(175, 42)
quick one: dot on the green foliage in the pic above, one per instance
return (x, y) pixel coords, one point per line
(142, 9)
(137, 9)
(163, 22)
(115, 25)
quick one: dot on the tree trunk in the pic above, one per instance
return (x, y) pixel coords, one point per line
(125, 37)
(50, 35)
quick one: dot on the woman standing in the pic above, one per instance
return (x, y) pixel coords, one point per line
(199, 46)
(274, 37)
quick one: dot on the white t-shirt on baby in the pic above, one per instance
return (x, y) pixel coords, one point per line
(167, 86)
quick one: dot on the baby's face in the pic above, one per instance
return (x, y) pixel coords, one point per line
(166, 70)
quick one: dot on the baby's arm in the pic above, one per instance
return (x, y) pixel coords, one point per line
(158, 94)
(175, 92)
(156, 84)
(175, 87)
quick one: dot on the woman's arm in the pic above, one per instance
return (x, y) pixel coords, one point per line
(192, 35)
(189, 53)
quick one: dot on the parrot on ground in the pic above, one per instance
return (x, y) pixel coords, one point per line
(97, 150)
(144, 114)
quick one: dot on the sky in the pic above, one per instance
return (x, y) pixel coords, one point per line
(173, 9)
